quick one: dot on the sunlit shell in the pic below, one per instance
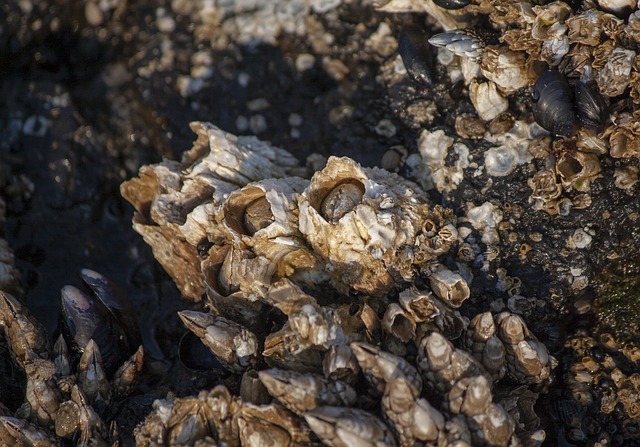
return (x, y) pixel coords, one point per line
(358, 218)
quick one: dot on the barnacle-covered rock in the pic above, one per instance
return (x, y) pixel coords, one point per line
(369, 226)
(166, 195)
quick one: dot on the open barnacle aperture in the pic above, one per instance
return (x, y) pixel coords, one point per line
(103, 315)
(561, 109)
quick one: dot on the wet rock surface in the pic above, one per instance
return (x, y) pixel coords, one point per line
(92, 91)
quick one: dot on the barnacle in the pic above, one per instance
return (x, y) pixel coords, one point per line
(373, 284)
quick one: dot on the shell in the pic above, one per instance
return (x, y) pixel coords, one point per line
(344, 427)
(419, 304)
(305, 392)
(235, 346)
(553, 105)
(351, 216)
(412, 418)
(381, 367)
(416, 55)
(340, 363)
(449, 286)
(399, 323)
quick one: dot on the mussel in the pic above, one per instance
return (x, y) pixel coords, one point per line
(416, 54)
(102, 314)
(561, 111)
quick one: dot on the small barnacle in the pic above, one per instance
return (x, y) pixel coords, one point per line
(577, 170)
(399, 323)
(449, 286)
(626, 177)
(489, 103)
(613, 78)
(394, 158)
(508, 69)
(585, 28)
(470, 126)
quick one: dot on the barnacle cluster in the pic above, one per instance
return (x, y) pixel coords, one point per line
(311, 285)
(580, 61)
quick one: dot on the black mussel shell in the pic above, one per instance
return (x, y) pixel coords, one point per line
(452, 4)
(101, 317)
(592, 109)
(415, 51)
(553, 106)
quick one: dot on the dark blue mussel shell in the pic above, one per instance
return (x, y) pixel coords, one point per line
(553, 106)
(415, 51)
(103, 314)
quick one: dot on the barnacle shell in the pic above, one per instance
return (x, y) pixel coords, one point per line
(577, 169)
(419, 304)
(233, 344)
(506, 68)
(381, 367)
(304, 392)
(344, 427)
(489, 103)
(364, 223)
(449, 286)
(613, 79)
(396, 321)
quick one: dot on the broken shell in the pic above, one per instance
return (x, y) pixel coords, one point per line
(399, 323)
(340, 364)
(419, 304)
(449, 286)
(345, 427)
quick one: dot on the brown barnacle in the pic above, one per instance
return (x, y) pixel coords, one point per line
(442, 365)
(494, 427)
(285, 349)
(576, 61)
(585, 27)
(92, 379)
(449, 286)
(588, 142)
(470, 126)
(502, 124)
(394, 158)
(260, 425)
(42, 398)
(447, 321)
(419, 304)
(262, 210)
(77, 419)
(381, 366)
(470, 396)
(399, 323)
(508, 69)
(304, 392)
(488, 102)
(549, 28)
(613, 78)
(544, 185)
(125, 379)
(412, 418)
(623, 140)
(577, 169)
(19, 432)
(625, 177)
(345, 427)
(511, 328)
(235, 280)
(25, 334)
(340, 363)
(234, 345)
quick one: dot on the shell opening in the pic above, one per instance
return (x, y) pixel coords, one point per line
(248, 211)
(342, 199)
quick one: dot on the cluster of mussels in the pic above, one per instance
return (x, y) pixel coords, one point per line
(70, 390)
(328, 297)
(581, 59)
